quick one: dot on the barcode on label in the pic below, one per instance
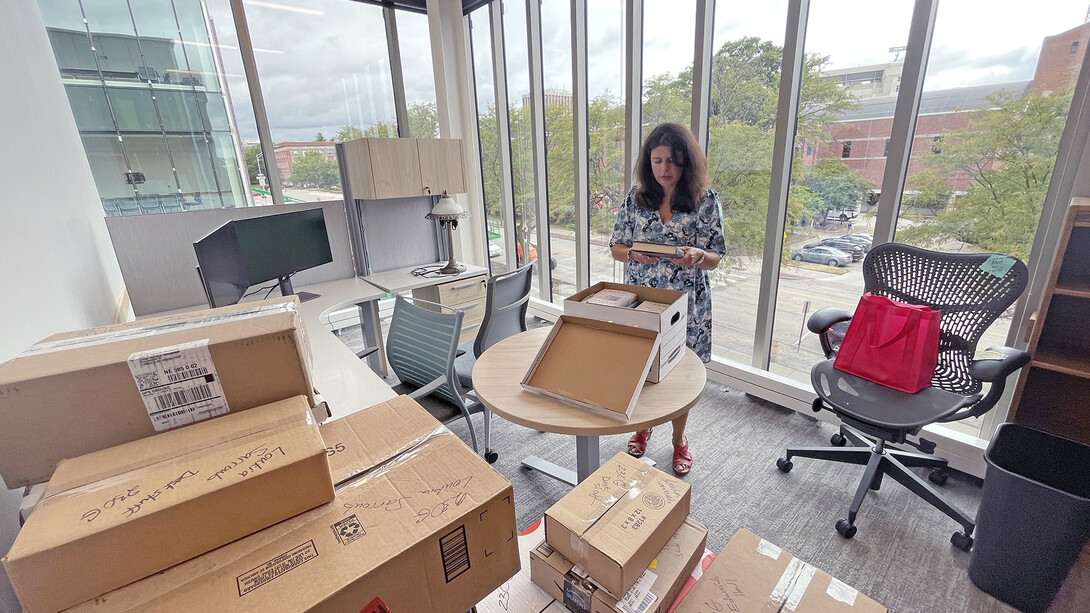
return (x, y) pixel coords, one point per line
(648, 600)
(182, 397)
(455, 552)
(184, 375)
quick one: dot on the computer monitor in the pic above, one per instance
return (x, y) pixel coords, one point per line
(245, 252)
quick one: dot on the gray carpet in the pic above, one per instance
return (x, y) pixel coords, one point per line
(901, 555)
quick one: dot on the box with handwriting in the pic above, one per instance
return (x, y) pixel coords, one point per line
(420, 523)
(117, 515)
(614, 523)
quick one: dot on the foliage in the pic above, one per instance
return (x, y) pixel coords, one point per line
(251, 153)
(423, 120)
(319, 138)
(347, 133)
(838, 186)
(312, 168)
(1007, 151)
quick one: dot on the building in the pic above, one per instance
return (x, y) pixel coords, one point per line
(152, 108)
(288, 152)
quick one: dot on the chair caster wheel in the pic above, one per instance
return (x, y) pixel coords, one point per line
(491, 456)
(846, 529)
(784, 465)
(961, 541)
(838, 440)
(938, 476)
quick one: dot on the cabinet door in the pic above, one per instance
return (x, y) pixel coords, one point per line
(441, 165)
(357, 162)
(395, 168)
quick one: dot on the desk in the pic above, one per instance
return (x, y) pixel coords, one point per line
(403, 280)
(497, 380)
(345, 382)
(465, 291)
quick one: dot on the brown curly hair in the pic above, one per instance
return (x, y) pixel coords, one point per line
(685, 153)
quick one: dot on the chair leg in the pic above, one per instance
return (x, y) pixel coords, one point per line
(849, 455)
(912, 459)
(856, 438)
(489, 455)
(874, 465)
(924, 490)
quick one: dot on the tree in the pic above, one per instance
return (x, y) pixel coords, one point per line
(347, 133)
(251, 154)
(312, 168)
(1007, 151)
(837, 186)
(423, 120)
(319, 137)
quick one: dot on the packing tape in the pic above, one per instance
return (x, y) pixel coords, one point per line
(783, 586)
(768, 550)
(802, 581)
(418, 447)
(840, 591)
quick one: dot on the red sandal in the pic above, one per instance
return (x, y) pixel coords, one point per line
(637, 445)
(683, 460)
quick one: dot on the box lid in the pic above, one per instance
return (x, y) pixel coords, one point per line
(580, 354)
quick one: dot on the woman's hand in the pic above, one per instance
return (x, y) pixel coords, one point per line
(690, 256)
(641, 258)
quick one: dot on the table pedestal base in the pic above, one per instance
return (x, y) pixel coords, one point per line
(586, 458)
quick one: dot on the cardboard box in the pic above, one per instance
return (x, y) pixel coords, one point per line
(428, 526)
(117, 384)
(593, 364)
(753, 575)
(653, 592)
(118, 515)
(666, 322)
(614, 523)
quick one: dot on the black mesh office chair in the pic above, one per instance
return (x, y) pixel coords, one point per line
(970, 298)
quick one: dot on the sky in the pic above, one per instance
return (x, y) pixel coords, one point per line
(323, 63)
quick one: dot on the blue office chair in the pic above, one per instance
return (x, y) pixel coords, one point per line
(420, 347)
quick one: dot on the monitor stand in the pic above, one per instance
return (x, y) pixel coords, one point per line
(286, 290)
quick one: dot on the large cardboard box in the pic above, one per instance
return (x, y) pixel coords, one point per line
(118, 515)
(615, 521)
(593, 364)
(425, 525)
(87, 390)
(670, 323)
(653, 592)
(753, 575)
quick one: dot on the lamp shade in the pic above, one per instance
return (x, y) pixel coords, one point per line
(447, 209)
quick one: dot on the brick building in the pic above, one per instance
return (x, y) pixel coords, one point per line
(287, 152)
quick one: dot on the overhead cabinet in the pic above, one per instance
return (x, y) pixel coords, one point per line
(403, 167)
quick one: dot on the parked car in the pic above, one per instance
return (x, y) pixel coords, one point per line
(494, 250)
(821, 254)
(863, 240)
(848, 247)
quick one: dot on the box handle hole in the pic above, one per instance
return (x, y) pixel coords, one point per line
(677, 316)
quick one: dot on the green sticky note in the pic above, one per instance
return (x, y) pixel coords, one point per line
(997, 265)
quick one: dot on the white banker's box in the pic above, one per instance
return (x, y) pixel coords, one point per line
(669, 323)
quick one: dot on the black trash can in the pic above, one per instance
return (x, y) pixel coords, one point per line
(1034, 516)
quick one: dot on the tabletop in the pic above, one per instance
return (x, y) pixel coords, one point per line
(497, 380)
(402, 279)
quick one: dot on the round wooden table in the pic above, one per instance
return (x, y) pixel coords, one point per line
(497, 381)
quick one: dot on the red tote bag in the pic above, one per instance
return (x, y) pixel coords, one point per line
(891, 343)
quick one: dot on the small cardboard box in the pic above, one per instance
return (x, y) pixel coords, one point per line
(653, 592)
(614, 522)
(425, 525)
(593, 364)
(118, 515)
(117, 384)
(753, 575)
(667, 323)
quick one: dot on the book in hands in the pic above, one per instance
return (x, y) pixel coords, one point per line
(612, 297)
(661, 250)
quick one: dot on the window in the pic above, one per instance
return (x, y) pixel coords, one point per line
(885, 152)
(846, 152)
(1074, 48)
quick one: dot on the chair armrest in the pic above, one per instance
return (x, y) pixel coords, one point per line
(823, 319)
(459, 353)
(997, 369)
(366, 352)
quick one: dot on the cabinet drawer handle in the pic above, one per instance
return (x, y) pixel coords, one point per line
(468, 307)
(465, 285)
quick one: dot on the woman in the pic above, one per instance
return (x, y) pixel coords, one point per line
(671, 204)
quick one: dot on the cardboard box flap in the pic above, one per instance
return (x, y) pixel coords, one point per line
(170, 445)
(419, 494)
(579, 354)
(359, 442)
(79, 350)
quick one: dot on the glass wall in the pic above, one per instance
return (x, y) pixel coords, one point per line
(605, 124)
(747, 44)
(559, 151)
(667, 62)
(151, 103)
(325, 77)
(415, 45)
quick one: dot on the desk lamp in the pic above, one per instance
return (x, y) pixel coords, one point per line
(448, 212)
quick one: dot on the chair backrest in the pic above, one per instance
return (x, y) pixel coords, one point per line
(507, 297)
(970, 297)
(421, 343)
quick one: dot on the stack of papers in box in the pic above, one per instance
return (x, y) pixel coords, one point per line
(612, 297)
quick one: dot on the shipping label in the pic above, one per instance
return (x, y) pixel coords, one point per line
(276, 567)
(639, 597)
(179, 384)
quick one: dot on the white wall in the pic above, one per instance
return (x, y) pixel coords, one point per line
(59, 270)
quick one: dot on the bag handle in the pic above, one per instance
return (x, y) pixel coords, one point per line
(911, 322)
